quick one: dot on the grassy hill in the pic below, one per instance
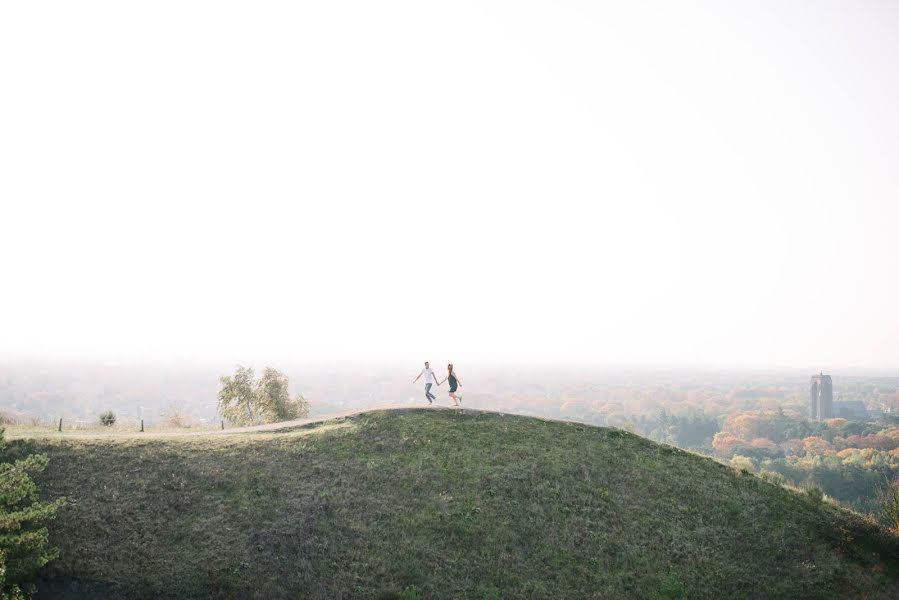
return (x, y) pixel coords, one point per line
(433, 504)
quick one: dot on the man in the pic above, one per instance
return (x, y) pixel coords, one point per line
(430, 379)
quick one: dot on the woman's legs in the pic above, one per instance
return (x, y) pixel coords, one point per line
(456, 399)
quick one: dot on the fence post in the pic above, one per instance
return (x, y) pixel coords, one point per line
(60, 423)
(141, 425)
(223, 424)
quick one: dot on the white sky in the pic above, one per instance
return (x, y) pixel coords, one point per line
(612, 183)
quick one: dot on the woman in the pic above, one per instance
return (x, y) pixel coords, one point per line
(454, 383)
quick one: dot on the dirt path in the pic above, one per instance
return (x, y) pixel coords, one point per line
(307, 420)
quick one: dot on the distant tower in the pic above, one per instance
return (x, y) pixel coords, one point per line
(821, 397)
(813, 399)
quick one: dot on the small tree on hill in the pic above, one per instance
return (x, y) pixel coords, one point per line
(273, 393)
(107, 418)
(243, 400)
(237, 400)
(23, 533)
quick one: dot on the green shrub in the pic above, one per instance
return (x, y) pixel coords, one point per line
(888, 498)
(410, 593)
(743, 463)
(23, 533)
(673, 588)
(773, 477)
(107, 418)
(815, 494)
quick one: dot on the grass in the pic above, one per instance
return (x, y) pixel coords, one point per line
(433, 504)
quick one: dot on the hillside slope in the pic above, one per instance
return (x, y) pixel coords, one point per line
(433, 504)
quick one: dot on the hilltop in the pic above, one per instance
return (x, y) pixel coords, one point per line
(435, 504)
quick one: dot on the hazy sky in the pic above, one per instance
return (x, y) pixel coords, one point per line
(620, 182)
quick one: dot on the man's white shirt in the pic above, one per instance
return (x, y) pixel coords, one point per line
(428, 374)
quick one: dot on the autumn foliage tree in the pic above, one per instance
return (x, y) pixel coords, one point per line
(245, 400)
(817, 446)
(725, 444)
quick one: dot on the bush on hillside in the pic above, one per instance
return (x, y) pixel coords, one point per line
(24, 546)
(743, 463)
(107, 418)
(175, 417)
(244, 400)
(888, 498)
(773, 477)
(673, 588)
(410, 593)
(815, 494)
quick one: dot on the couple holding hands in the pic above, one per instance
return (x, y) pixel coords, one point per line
(431, 379)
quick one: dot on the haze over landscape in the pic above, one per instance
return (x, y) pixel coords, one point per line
(666, 230)
(690, 185)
